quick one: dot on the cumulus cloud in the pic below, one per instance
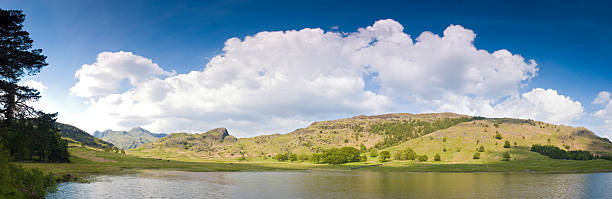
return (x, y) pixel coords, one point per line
(602, 98)
(106, 75)
(42, 103)
(35, 85)
(278, 81)
(605, 114)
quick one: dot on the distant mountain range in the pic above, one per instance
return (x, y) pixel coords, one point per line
(77, 136)
(128, 139)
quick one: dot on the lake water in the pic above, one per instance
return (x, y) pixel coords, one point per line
(316, 184)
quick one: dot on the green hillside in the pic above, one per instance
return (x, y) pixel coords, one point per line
(454, 137)
(317, 137)
(128, 139)
(459, 143)
(76, 136)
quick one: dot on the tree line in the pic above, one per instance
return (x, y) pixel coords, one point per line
(558, 153)
(26, 134)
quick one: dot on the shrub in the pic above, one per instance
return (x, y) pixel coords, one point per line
(476, 155)
(406, 154)
(282, 157)
(292, 157)
(437, 157)
(498, 135)
(373, 153)
(506, 156)
(481, 149)
(338, 156)
(363, 148)
(303, 157)
(507, 144)
(422, 158)
(384, 155)
(19, 182)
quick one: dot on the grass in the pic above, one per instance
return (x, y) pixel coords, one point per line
(88, 162)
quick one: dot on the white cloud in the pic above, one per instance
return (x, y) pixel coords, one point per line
(605, 114)
(106, 75)
(278, 81)
(602, 98)
(546, 105)
(35, 85)
(42, 103)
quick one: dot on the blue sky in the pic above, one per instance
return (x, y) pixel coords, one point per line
(569, 41)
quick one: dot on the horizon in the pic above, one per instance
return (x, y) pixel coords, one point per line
(254, 68)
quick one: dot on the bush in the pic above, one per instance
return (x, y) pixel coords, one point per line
(373, 153)
(481, 149)
(507, 144)
(407, 154)
(422, 158)
(384, 156)
(498, 135)
(437, 157)
(338, 156)
(303, 157)
(282, 157)
(18, 182)
(292, 157)
(506, 156)
(363, 148)
(476, 155)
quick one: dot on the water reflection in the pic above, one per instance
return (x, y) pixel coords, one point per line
(173, 184)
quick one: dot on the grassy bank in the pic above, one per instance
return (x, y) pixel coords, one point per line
(87, 162)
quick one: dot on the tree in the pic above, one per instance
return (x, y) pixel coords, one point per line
(373, 153)
(28, 134)
(422, 158)
(507, 144)
(476, 155)
(406, 154)
(122, 151)
(363, 148)
(338, 156)
(17, 58)
(437, 157)
(384, 155)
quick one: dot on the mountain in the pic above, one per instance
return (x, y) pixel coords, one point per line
(455, 137)
(128, 139)
(77, 136)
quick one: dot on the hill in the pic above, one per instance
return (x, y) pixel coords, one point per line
(128, 139)
(76, 136)
(460, 142)
(455, 137)
(317, 137)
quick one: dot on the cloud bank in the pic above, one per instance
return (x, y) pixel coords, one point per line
(274, 82)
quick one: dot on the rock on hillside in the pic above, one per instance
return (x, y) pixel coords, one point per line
(128, 139)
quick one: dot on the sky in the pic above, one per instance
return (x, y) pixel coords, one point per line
(261, 67)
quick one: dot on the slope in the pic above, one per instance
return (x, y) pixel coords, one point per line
(128, 139)
(76, 136)
(354, 132)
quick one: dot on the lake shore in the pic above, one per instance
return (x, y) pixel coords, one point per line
(86, 163)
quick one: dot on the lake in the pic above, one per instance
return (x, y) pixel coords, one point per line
(323, 184)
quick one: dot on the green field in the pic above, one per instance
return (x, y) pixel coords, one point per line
(88, 162)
